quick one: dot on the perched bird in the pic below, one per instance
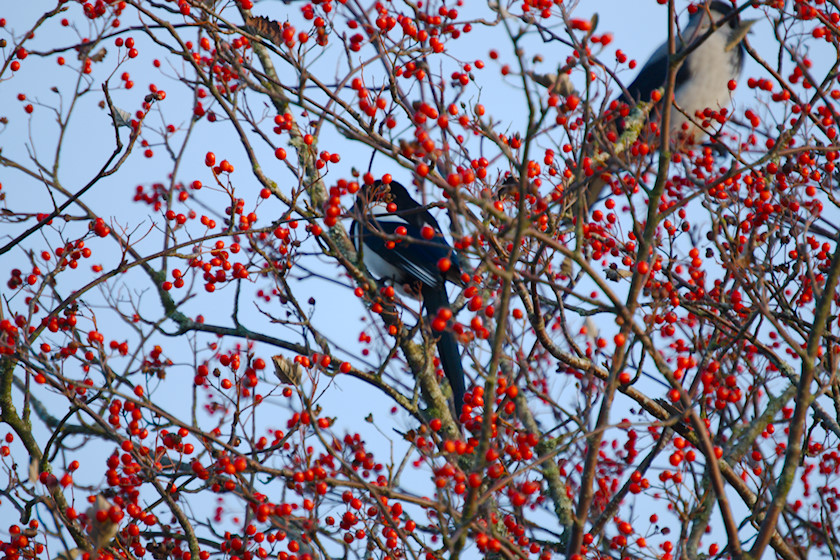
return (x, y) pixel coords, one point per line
(400, 241)
(702, 80)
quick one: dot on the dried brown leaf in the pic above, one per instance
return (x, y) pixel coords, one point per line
(286, 370)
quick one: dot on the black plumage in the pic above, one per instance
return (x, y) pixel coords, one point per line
(702, 81)
(401, 242)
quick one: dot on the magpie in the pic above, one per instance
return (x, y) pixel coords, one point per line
(401, 242)
(703, 78)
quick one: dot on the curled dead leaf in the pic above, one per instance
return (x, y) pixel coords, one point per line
(101, 532)
(286, 370)
(268, 28)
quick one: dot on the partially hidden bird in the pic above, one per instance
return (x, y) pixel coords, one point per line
(402, 243)
(703, 79)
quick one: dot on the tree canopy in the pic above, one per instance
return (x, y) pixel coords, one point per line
(196, 363)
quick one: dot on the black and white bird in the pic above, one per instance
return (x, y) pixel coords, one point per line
(702, 80)
(401, 242)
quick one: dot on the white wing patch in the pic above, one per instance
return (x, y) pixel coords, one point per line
(408, 270)
(380, 214)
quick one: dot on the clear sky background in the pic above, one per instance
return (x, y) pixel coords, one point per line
(638, 26)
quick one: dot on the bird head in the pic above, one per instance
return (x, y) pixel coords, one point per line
(392, 195)
(716, 11)
(376, 194)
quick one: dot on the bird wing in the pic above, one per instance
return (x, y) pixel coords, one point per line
(417, 257)
(652, 77)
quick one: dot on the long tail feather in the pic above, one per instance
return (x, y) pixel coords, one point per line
(450, 357)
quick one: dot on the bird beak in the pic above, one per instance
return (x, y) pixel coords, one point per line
(739, 34)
